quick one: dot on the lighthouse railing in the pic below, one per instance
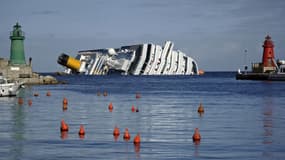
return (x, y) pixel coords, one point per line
(21, 33)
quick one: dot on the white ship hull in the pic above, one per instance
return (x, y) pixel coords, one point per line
(142, 59)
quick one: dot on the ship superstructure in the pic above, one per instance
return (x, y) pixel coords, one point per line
(141, 59)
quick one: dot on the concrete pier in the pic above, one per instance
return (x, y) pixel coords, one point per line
(260, 76)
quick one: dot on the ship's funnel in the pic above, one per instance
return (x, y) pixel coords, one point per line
(69, 62)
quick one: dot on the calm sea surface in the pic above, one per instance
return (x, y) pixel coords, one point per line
(242, 119)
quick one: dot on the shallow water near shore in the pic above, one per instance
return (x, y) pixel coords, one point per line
(242, 119)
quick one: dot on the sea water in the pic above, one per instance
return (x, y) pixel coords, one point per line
(242, 119)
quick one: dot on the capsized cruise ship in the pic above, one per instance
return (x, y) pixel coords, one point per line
(141, 59)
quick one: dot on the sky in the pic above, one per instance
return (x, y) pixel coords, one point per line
(215, 33)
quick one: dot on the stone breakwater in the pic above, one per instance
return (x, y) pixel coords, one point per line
(24, 73)
(40, 80)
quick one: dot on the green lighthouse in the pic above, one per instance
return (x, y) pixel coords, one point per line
(17, 54)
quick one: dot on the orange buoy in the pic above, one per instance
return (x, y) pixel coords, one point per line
(20, 101)
(81, 130)
(36, 94)
(63, 135)
(64, 107)
(111, 107)
(105, 94)
(196, 135)
(116, 138)
(137, 148)
(30, 102)
(201, 72)
(133, 108)
(200, 108)
(116, 131)
(127, 135)
(81, 137)
(48, 94)
(64, 126)
(65, 101)
(138, 95)
(137, 139)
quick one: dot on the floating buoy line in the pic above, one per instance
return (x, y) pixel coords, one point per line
(64, 127)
